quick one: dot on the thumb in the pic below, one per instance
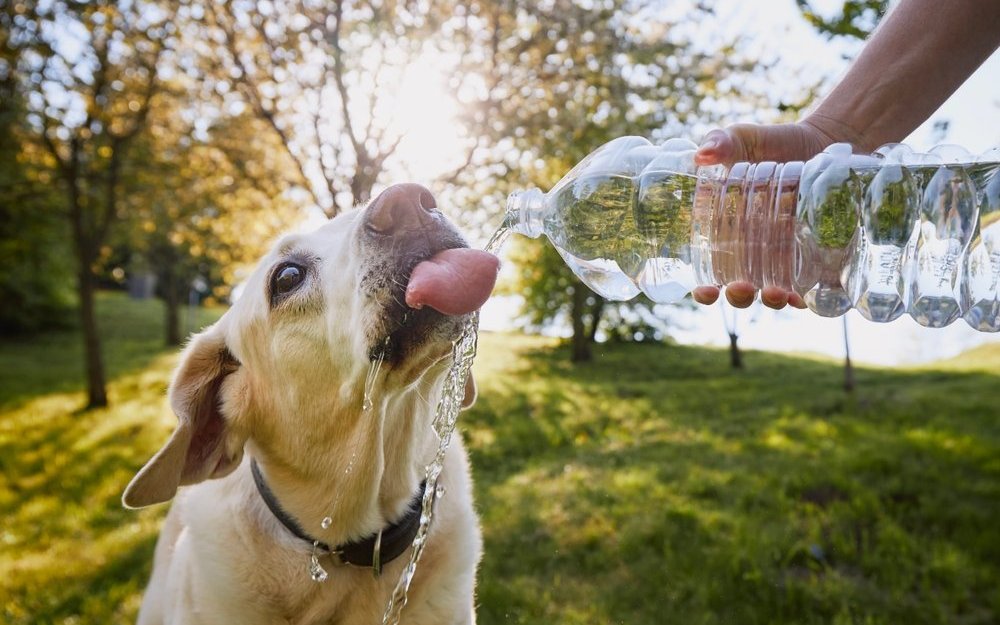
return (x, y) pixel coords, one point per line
(755, 143)
(718, 146)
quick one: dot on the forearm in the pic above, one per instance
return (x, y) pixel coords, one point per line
(921, 53)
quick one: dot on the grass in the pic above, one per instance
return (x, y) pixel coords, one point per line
(69, 552)
(657, 486)
(653, 485)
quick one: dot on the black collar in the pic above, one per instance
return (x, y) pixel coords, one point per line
(373, 551)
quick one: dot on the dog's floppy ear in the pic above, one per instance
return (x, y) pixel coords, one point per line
(202, 446)
(470, 392)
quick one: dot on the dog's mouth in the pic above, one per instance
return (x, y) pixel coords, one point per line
(432, 298)
(421, 275)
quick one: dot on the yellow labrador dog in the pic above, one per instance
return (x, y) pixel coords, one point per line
(278, 456)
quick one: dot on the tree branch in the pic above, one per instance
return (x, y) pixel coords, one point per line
(333, 36)
(328, 168)
(452, 177)
(252, 91)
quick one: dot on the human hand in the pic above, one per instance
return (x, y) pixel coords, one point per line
(755, 143)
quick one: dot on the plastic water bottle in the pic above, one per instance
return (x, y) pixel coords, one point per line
(889, 233)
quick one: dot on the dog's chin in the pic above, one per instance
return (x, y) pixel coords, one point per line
(410, 336)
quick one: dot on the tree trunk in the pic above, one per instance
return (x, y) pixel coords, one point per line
(581, 338)
(735, 357)
(97, 396)
(848, 367)
(86, 252)
(595, 318)
(171, 300)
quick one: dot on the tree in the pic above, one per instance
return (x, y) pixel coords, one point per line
(90, 73)
(33, 284)
(205, 202)
(732, 329)
(546, 83)
(856, 18)
(325, 77)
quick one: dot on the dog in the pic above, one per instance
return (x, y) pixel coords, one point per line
(277, 455)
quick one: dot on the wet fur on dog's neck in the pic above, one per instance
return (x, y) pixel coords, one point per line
(364, 466)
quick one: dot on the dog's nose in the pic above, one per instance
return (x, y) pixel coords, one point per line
(401, 208)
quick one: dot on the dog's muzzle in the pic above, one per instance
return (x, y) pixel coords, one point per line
(421, 272)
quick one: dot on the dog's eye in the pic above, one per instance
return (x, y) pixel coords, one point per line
(287, 279)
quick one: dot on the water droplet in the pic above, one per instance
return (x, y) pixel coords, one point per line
(439, 492)
(325, 523)
(367, 403)
(316, 570)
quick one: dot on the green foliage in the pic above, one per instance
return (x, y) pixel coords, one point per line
(592, 212)
(856, 18)
(664, 213)
(651, 486)
(204, 203)
(542, 279)
(892, 221)
(71, 552)
(36, 282)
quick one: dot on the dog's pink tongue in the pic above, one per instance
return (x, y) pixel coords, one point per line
(453, 282)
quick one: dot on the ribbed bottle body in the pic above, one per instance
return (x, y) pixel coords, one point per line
(889, 234)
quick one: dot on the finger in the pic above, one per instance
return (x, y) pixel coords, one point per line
(706, 295)
(794, 299)
(740, 294)
(774, 297)
(717, 147)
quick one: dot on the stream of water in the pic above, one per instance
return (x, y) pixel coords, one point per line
(445, 419)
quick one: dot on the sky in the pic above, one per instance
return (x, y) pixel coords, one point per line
(973, 117)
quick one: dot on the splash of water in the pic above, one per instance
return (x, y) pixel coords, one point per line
(463, 353)
(316, 570)
(368, 403)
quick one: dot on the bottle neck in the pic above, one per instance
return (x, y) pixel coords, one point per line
(524, 212)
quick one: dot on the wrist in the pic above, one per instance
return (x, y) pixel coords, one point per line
(830, 130)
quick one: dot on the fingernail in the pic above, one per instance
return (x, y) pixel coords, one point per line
(708, 145)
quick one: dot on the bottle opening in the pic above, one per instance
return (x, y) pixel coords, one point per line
(524, 212)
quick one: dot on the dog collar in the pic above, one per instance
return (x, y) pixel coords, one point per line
(373, 552)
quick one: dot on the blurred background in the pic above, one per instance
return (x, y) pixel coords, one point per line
(634, 463)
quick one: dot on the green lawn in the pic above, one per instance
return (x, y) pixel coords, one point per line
(651, 486)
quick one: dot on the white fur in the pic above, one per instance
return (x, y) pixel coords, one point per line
(293, 403)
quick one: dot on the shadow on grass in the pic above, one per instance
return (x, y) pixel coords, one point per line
(132, 335)
(108, 593)
(655, 485)
(70, 552)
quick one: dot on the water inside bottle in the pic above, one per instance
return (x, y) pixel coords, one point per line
(623, 234)
(593, 230)
(749, 218)
(948, 219)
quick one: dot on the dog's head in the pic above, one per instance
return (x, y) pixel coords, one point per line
(285, 367)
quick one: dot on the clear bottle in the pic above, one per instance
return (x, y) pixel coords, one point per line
(889, 233)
